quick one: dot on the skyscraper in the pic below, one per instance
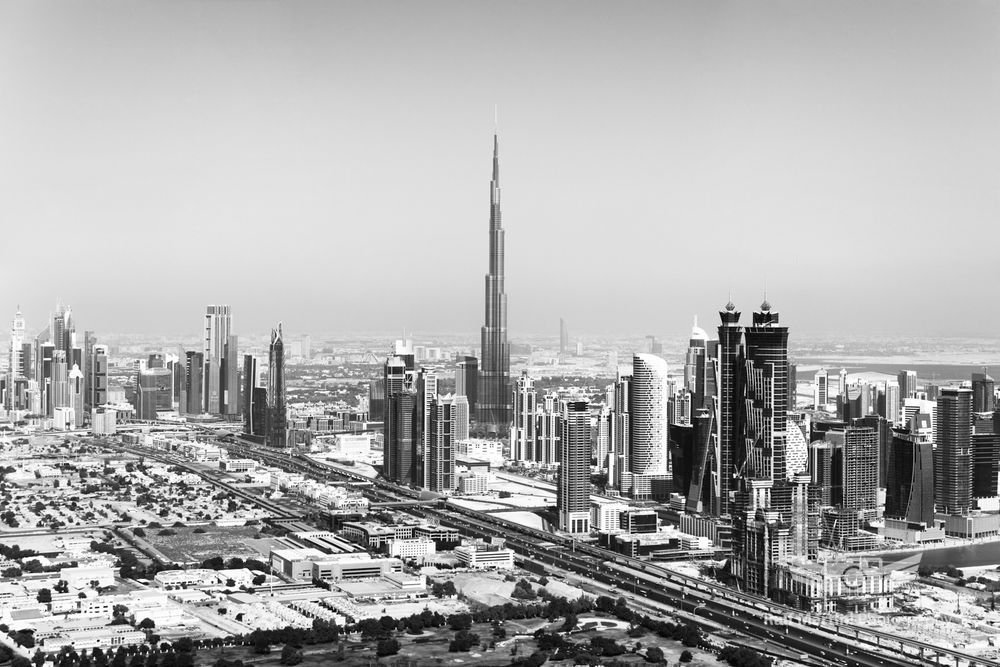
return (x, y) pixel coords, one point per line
(766, 398)
(573, 490)
(493, 401)
(218, 321)
(427, 392)
(402, 436)
(97, 371)
(821, 389)
(194, 383)
(522, 432)
(439, 456)
(983, 392)
(730, 403)
(793, 382)
(618, 457)
(277, 418)
(563, 337)
(229, 378)
(153, 389)
(60, 380)
(252, 424)
(907, 385)
(16, 361)
(460, 404)
(953, 454)
(467, 380)
(76, 392)
(648, 454)
(910, 478)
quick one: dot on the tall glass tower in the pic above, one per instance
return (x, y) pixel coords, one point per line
(494, 401)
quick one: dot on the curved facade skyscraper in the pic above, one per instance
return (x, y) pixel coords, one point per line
(649, 423)
(493, 408)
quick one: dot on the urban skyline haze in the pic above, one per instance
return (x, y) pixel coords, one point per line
(297, 160)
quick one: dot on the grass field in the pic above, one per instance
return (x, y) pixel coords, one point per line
(431, 648)
(187, 546)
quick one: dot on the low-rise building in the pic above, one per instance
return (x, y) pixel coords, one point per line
(237, 465)
(480, 556)
(607, 516)
(173, 579)
(353, 566)
(296, 564)
(856, 585)
(473, 484)
(419, 549)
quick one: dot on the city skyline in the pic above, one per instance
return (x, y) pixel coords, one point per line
(714, 121)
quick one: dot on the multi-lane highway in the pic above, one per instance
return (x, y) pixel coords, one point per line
(828, 641)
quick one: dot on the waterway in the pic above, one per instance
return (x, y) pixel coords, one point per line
(966, 555)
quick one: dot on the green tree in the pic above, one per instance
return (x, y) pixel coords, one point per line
(387, 647)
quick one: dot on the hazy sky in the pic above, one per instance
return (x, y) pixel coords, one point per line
(327, 163)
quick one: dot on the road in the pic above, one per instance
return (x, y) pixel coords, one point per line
(692, 597)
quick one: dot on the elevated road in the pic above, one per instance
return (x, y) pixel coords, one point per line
(821, 638)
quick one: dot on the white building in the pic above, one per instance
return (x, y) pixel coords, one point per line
(606, 517)
(486, 450)
(471, 484)
(237, 465)
(478, 556)
(419, 549)
(353, 447)
(648, 423)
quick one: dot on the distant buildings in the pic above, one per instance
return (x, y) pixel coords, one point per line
(218, 321)
(277, 415)
(821, 389)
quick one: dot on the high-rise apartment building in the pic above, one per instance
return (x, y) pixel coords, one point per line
(493, 402)
(573, 488)
(439, 456)
(16, 362)
(649, 460)
(953, 454)
(821, 389)
(277, 415)
(460, 405)
(618, 457)
(218, 322)
(89, 341)
(427, 393)
(907, 385)
(522, 431)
